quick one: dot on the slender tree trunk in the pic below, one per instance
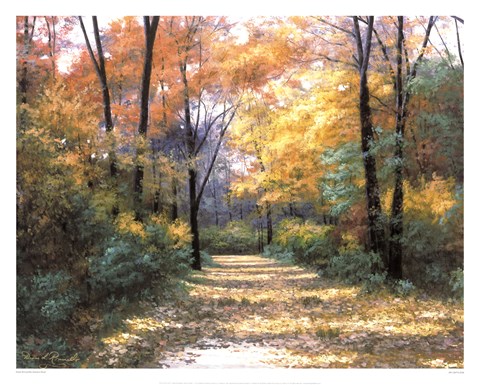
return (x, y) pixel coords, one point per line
(174, 211)
(458, 44)
(26, 52)
(150, 30)
(215, 204)
(374, 210)
(99, 65)
(156, 202)
(138, 188)
(259, 229)
(192, 172)
(192, 184)
(396, 222)
(23, 83)
(402, 99)
(156, 184)
(376, 231)
(51, 43)
(267, 203)
(228, 193)
(260, 238)
(269, 224)
(107, 110)
(229, 205)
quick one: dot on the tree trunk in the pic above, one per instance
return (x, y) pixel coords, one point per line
(150, 33)
(51, 43)
(102, 74)
(268, 206)
(192, 172)
(376, 232)
(269, 224)
(259, 228)
(26, 51)
(291, 210)
(174, 212)
(156, 202)
(458, 44)
(402, 97)
(396, 222)
(192, 184)
(193, 144)
(150, 30)
(99, 65)
(260, 236)
(156, 184)
(23, 83)
(229, 203)
(215, 204)
(374, 210)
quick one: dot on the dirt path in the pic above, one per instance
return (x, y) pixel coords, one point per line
(253, 312)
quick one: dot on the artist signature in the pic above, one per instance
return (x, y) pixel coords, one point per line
(51, 360)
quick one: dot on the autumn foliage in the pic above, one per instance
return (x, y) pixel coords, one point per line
(335, 143)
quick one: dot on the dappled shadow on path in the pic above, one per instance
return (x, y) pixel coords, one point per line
(249, 312)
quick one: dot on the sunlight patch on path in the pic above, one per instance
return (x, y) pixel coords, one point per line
(253, 312)
(262, 313)
(215, 354)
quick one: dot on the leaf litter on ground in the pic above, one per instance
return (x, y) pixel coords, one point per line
(250, 311)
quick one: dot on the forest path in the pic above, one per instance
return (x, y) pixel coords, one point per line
(254, 312)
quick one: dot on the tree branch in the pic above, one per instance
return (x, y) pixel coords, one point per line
(335, 26)
(89, 48)
(337, 60)
(358, 40)
(30, 37)
(382, 103)
(215, 154)
(209, 127)
(368, 44)
(458, 42)
(445, 46)
(407, 61)
(457, 18)
(383, 47)
(431, 22)
(101, 58)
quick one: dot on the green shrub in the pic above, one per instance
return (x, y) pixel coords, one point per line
(404, 287)
(277, 252)
(207, 259)
(354, 266)
(430, 254)
(456, 283)
(137, 256)
(310, 244)
(112, 319)
(374, 282)
(236, 238)
(433, 233)
(435, 275)
(45, 300)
